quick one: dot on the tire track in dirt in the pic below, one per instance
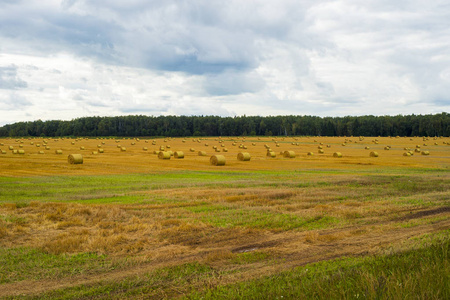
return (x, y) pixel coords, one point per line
(291, 248)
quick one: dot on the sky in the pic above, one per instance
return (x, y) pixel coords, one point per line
(66, 59)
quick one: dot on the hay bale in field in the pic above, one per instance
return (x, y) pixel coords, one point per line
(271, 154)
(164, 155)
(217, 160)
(2, 151)
(289, 154)
(99, 146)
(11, 148)
(367, 148)
(178, 154)
(406, 154)
(100, 150)
(328, 146)
(217, 150)
(144, 148)
(123, 149)
(81, 148)
(170, 152)
(41, 152)
(156, 152)
(14, 152)
(417, 150)
(20, 146)
(75, 159)
(21, 151)
(58, 152)
(373, 154)
(47, 148)
(387, 148)
(243, 156)
(310, 154)
(94, 152)
(225, 149)
(423, 152)
(337, 154)
(206, 144)
(162, 148)
(192, 150)
(320, 151)
(201, 153)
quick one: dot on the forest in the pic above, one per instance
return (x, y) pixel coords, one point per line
(184, 126)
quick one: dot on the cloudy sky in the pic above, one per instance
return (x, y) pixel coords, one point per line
(64, 59)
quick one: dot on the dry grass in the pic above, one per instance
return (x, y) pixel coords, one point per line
(316, 208)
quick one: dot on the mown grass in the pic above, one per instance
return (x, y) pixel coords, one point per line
(420, 273)
(415, 274)
(69, 226)
(17, 264)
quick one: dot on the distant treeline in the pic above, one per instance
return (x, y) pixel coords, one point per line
(176, 126)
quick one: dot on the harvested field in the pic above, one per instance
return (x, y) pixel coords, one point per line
(128, 224)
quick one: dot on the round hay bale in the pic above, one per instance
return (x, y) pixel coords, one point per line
(387, 148)
(367, 148)
(47, 148)
(271, 154)
(337, 154)
(423, 152)
(289, 154)
(406, 154)
(373, 154)
(201, 153)
(144, 148)
(3, 152)
(170, 152)
(100, 150)
(40, 152)
(217, 150)
(225, 149)
(11, 148)
(217, 160)
(123, 149)
(164, 155)
(94, 152)
(320, 151)
(81, 148)
(75, 159)
(14, 152)
(58, 152)
(243, 156)
(319, 147)
(192, 150)
(178, 154)
(310, 154)
(21, 151)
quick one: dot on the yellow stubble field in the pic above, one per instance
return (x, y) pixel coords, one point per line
(137, 160)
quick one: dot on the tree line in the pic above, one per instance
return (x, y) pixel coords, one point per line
(180, 126)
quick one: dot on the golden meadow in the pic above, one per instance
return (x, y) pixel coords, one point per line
(301, 222)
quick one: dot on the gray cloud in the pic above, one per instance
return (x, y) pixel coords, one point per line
(9, 79)
(246, 57)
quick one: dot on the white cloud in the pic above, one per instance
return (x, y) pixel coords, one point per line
(73, 58)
